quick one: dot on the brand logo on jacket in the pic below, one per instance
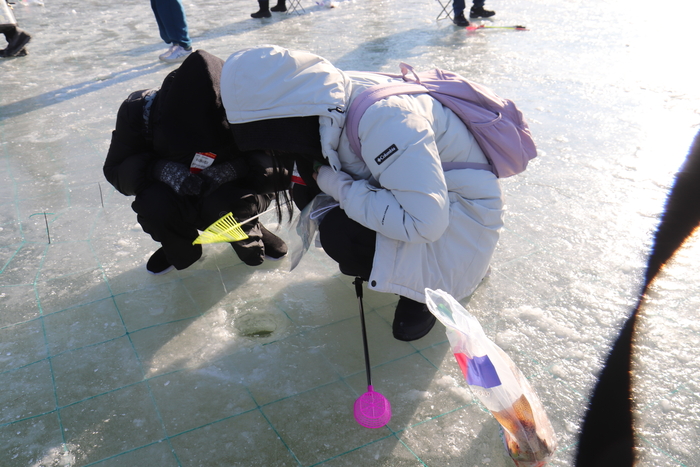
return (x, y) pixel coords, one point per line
(388, 152)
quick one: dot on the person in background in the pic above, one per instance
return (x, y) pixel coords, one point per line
(172, 25)
(173, 150)
(403, 222)
(264, 11)
(477, 11)
(16, 38)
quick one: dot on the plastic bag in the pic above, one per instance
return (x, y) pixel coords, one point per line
(494, 379)
(306, 225)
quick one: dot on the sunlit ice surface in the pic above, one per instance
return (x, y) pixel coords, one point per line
(222, 364)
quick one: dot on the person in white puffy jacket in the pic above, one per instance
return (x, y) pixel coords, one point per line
(403, 222)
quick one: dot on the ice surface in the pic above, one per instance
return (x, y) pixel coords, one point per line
(222, 364)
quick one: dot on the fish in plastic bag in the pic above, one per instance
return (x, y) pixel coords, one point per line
(496, 381)
(306, 225)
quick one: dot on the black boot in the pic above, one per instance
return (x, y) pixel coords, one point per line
(264, 11)
(158, 263)
(281, 6)
(412, 320)
(479, 12)
(251, 250)
(275, 248)
(16, 40)
(460, 20)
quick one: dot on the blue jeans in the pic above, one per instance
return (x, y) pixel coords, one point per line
(458, 6)
(172, 23)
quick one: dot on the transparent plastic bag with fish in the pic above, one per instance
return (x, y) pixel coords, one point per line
(495, 380)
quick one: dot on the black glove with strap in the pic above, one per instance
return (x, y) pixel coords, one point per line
(178, 177)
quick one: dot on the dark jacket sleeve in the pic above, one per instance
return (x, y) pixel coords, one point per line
(130, 154)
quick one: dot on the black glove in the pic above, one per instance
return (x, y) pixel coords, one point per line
(218, 174)
(178, 177)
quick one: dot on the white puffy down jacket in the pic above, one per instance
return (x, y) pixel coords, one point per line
(436, 228)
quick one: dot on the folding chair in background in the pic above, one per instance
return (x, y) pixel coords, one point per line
(446, 12)
(293, 7)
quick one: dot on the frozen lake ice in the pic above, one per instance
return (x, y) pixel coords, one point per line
(222, 364)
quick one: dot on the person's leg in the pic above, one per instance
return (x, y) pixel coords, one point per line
(16, 40)
(172, 26)
(350, 244)
(169, 219)
(172, 22)
(244, 204)
(162, 30)
(458, 10)
(159, 22)
(478, 10)
(353, 246)
(281, 6)
(8, 30)
(412, 320)
(264, 11)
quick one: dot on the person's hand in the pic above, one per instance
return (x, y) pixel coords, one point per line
(191, 185)
(333, 183)
(218, 174)
(178, 177)
(317, 167)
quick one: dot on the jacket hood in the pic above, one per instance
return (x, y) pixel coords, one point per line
(271, 82)
(188, 115)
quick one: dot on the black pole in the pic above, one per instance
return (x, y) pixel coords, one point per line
(358, 291)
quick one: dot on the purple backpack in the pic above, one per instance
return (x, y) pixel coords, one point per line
(496, 123)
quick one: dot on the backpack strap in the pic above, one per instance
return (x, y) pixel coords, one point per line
(368, 97)
(381, 91)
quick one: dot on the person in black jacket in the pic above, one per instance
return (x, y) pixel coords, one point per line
(172, 148)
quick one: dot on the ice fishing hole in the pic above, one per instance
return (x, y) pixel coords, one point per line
(255, 325)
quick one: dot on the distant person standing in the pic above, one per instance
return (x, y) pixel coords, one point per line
(16, 38)
(172, 24)
(264, 11)
(477, 11)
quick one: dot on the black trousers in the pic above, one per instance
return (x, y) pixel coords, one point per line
(353, 246)
(174, 220)
(349, 243)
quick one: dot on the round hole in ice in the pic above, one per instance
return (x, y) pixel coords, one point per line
(255, 325)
